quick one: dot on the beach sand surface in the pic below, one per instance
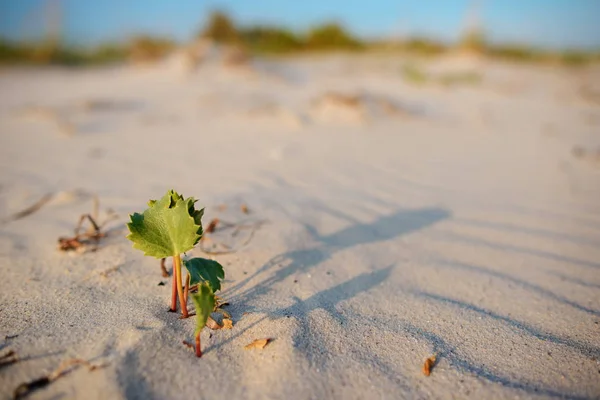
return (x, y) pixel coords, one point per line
(388, 221)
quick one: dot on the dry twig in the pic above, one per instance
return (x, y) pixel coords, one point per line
(163, 268)
(25, 389)
(93, 234)
(9, 358)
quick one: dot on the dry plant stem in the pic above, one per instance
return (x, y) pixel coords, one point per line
(198, 349)
(177, 268)
(25, 389)
(163, 268)
(96, 228)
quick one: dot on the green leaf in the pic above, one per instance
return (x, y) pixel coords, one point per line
(202, 270)
(170, 226)
(204, 302)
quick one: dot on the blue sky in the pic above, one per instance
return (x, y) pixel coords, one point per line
(547, 23)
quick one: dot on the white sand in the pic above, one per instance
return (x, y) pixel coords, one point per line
(462, 226)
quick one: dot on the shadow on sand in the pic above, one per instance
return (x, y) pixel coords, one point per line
(282, 266)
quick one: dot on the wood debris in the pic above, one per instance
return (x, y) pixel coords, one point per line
(428, 365)
(82, 240)
(10, 357)
(258, 344)
(227, 323)
(25, 389)
(163, 268)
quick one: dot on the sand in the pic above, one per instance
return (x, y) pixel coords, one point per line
(400, 220)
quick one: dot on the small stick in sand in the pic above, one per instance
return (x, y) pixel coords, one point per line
(163, 268)
(25, 389)
(9, 358)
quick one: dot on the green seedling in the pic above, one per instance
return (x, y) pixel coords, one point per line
(170, 227)
(204, 302)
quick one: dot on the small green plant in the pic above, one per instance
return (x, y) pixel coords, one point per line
(170, 227)
(204, 302)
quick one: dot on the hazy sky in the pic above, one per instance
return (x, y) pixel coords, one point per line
(549, 23)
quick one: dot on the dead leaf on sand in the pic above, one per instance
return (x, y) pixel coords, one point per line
(428, 365)
(227, 323)
(212, 324)
(257, 344)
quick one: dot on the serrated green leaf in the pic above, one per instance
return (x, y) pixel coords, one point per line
(202, 270)
(204, 302)
(169, 227)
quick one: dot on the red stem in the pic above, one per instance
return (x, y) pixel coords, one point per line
(198, 349)
(174, 293)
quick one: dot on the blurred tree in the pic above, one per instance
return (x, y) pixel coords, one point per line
(331, 36)
(265, 39)
(221, 29)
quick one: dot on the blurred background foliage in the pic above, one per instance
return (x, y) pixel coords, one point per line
(275, 40)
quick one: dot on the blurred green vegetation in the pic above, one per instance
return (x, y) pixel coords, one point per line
(138, 49)
(331, 36)
(272, 39)
(265, 40)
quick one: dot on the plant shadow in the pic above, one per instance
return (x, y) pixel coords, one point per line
(282, 266)
(528, 286)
